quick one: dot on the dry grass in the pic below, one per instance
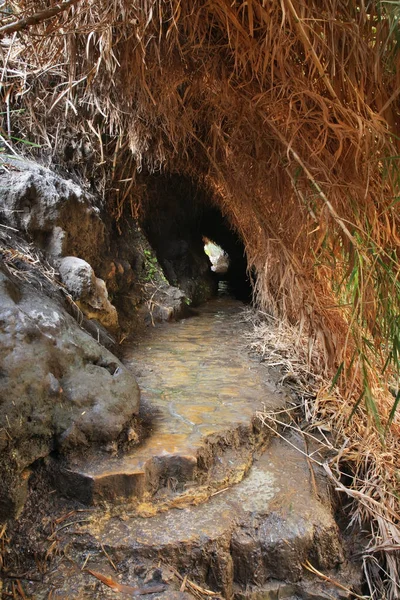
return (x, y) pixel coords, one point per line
(355, 446)
(286, 112)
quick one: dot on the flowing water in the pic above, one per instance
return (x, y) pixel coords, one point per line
(200, 392)
(202, 494)
(197, 379)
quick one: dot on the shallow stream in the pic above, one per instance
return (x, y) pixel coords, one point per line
(197, 378)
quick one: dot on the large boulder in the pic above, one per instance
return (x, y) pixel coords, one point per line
(59, 389)
(89, 292)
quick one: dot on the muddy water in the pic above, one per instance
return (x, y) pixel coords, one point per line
(248, 536)
(200, 392)
(197, 379)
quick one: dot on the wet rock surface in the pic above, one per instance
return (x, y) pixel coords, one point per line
(265, 527)
(89, 292)
(199, 397)
(249, 542)
(220, 502)
(59, 389)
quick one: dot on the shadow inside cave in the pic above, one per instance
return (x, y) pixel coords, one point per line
(178, 217)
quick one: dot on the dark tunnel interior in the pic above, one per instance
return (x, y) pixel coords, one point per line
(178, 216)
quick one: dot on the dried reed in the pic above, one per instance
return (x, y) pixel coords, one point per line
(287, 113)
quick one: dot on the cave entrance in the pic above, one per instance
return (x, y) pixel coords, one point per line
(180, 219)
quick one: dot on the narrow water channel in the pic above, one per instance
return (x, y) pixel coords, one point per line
(207, 495)
(200, 392)
(214, 494)
(196, 377)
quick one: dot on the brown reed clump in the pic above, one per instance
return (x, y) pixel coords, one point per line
(287, 112)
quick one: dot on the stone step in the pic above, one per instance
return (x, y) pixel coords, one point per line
(199, 395)
(242, 542)
(165, 467)
(307, 589)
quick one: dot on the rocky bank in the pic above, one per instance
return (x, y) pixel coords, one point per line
(69, 288)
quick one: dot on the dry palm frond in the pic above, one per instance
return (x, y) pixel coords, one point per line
(357, 447)
(287, 113)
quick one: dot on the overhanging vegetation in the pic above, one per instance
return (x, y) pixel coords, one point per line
(287, 112)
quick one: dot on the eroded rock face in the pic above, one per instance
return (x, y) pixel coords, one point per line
(64, 222)
(59, 389)
(56, 213)
(88, 291)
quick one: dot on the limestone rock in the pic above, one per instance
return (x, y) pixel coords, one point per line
(54, 212)
(94, 388)
(77, 276)
(63, 221)
(89, 292)
(59, 389)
